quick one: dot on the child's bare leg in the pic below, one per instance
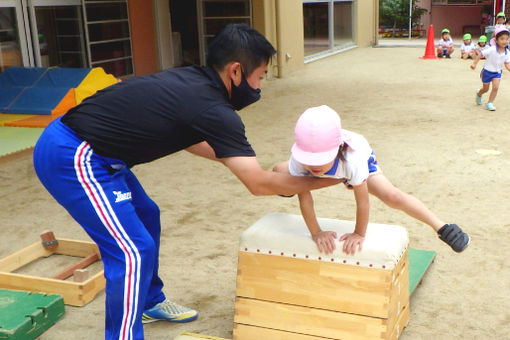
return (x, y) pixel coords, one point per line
(495, 87)
(381, 187)
(484, 89)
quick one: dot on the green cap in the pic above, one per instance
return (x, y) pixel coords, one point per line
(466, 36)
(482, 38)
(445, 30)
(501, 15)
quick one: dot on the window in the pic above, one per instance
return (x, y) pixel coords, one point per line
(327, 25)
(109, 37)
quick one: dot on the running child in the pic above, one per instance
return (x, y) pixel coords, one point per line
(482, 45)
(495, 57)
(323, 149)
(445, 45)
(467, 49)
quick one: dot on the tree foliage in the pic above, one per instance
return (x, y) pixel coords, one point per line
(395, 13)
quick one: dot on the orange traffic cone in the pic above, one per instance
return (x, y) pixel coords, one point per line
(429, 49)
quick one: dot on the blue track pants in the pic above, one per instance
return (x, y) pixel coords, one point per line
(106, 199)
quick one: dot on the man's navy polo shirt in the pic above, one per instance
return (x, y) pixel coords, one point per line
(148, 117)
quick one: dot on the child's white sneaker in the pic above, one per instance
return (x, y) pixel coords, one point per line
(478, 98)
(169, 311)
(490, 107)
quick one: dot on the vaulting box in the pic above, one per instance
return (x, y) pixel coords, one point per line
(287, 290)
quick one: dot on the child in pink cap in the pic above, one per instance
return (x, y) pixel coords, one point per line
(495, 57)
(323, 149)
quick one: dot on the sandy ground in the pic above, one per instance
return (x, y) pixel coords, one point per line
(420, 118)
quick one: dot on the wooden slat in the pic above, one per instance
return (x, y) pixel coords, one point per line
(76, 294)
(90, 288)
(308, 321)
(402, 321)
(76, 248)
(68, 272)
(23, 257)
(247, 332)
(399, 292)
(317, 284)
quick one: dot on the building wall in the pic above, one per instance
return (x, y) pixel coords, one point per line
(454, 18)
(143, 37)
(281, 21)
(264, 21)
(366, 22)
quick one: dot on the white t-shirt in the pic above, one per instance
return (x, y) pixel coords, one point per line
(467, 48)
(445, 43)
(494, 60)
(355, 168)
(480, 48)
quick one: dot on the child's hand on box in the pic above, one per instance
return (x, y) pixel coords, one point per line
(325, 241)
(352, 241)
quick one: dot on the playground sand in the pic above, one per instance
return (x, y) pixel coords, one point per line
(421, 120)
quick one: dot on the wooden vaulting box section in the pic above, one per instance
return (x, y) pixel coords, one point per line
(290, 291)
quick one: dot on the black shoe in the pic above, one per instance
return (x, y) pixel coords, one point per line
(448, 56)
(439, 55)
(454, 237)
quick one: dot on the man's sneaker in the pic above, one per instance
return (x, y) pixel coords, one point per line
(454, 237)
(490, 107)
(478, 98)
(169, 311)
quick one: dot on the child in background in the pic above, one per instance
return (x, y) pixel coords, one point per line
(468, 49)
(495, 56)
(445, 44)
(500, 22)
(482, 45)
(323, 149)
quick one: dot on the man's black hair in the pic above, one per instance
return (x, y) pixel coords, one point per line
(240, 43)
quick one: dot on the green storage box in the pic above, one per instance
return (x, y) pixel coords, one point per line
(25, 315)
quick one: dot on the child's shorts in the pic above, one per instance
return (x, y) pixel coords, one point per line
(373, 168)
(487, 76)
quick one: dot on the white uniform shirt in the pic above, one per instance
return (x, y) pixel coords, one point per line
(354, 169)
(494, 60)
(467, 48)
(480, 48)
(445, 43)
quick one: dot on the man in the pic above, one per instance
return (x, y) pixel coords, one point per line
(84, 161)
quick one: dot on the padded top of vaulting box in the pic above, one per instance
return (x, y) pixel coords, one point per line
(281, 234)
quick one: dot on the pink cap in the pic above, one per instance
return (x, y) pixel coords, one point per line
(499, 30)
(317, 136)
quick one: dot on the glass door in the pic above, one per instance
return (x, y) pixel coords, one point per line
(57, 35)
(13, 44)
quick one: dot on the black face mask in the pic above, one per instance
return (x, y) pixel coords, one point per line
(243, 95)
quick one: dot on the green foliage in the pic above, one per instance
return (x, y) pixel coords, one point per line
(395, 13)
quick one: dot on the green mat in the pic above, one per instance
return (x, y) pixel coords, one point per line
(24, 315)
(419, 262)
(14, 139)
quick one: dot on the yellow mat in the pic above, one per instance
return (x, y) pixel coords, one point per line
(96, 80)
(12, 117)
(193, 336)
